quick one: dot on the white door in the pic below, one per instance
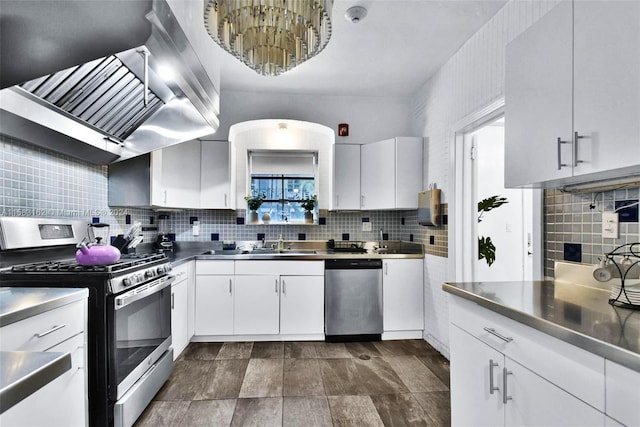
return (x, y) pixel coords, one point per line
(214, 305)
(378, 172)
(256, 305)
(402, 295)
(302, 305)
(179, 316)
(347, 177)
(215, 185)
(509, 226)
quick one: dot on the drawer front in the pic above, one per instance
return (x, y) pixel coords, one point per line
(214, 267)
(280, 268)
(571, 368)
(181, 271)
(623, 391)
(45, 330)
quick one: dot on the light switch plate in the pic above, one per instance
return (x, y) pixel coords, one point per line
(366, 226)
(610, 225)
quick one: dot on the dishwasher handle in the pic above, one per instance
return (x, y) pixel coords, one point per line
(353, 264)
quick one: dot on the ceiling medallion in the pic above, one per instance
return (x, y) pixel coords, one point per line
(270, 36)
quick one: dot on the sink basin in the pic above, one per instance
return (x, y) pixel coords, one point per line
(261, 251)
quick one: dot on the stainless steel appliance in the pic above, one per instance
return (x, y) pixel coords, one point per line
(353, 299)
(129, 330)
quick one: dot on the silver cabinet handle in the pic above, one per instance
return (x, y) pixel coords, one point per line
(276, 286)
(386, 269)
(576, 137)
(362, 201)
(225, 200)
(173, 301)
(284, 287)
(50, 331)
(492, 365)
(229, 286)
(496, 334)
(165, 197)
(560, 164)
(505, 394)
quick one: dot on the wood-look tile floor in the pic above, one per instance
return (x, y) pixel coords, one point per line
(384, 383)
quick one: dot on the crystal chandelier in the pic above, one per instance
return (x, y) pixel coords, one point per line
(270, 36)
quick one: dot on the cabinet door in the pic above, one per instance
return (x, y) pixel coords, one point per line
(302, 304)
(215, 181)
(179, 317)
(378, 163)
(176, 175)
(537, 402)
(402, 293)
(538, 100)
(214, 305)
(347, 177)
(408, 172)
(256, 305)
(622, 391)
(476, 391)
(606, 85)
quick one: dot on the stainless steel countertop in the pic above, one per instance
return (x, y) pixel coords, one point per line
(20, 303)
(22, 373)
(576, 314)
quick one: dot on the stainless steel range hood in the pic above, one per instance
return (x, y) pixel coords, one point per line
(116, 105)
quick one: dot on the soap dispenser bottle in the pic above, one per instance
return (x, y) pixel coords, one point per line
(280, 242)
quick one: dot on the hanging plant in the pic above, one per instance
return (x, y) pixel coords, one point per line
(486, 248)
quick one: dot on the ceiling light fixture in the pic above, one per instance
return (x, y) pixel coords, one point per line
(355, 14)
(270, 36)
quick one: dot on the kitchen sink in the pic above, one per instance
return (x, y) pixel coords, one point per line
(260, 251)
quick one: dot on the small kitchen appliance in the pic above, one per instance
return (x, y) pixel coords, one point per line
(129, 317)
(163, 241)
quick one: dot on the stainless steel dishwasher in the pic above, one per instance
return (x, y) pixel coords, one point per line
(353, 299)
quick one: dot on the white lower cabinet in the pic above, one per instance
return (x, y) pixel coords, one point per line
(302, 304)
(622, 394)
(504, 373)
(214, 298)
(179, 316)
(402, 294)
(256, 305)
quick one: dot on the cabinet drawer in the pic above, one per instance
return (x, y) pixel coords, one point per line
(281, 268)
(214, 267)
(623, 389)
(571, 368)
(43, 331)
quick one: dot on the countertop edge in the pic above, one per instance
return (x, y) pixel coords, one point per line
(42, 368)
(586, 342)
(72, 295)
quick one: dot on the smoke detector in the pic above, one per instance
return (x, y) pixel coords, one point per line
(355, 14)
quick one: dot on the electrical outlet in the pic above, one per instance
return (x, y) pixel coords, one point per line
(196, 228)
(610, 225)
(366, 226)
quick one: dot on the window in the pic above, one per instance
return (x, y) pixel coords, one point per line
(286, 179)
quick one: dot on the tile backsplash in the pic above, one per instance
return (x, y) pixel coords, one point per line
(573, 224)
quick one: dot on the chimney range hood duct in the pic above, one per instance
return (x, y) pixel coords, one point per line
(116, 106)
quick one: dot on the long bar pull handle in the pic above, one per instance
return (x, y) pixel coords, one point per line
(362, 201)
(560, 164)
(276, 286)
(505, 394)
(492, 365)
(173, 301)
(225, 200)
(50, 331)
(165, 196)
(576, 137)
(284, 287)
(229, 286)
(497, 334)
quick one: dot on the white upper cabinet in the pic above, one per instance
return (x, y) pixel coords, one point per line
(572, 95)
(346, 190)
(391, 173)
(215, 176)
(175, 176)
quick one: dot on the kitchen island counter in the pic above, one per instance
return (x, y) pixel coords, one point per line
(576, 314)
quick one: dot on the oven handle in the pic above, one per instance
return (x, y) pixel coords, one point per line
(143, 291)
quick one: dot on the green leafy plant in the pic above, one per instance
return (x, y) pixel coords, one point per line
(486, 248)
(254, 201)
(310, 203)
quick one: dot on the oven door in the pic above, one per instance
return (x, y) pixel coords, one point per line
(141, 332)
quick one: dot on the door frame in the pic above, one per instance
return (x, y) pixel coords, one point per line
(461, 225)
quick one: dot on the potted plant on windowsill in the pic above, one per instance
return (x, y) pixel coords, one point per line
(308, 205)
(254, 201)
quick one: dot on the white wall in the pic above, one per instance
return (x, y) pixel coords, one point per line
(369, 118)
(472, 79)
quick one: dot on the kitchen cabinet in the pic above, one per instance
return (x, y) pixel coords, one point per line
(622, 391)
(191, 175)
(256, 305)
(346, 188)
(63, 401)
(216, 180)
(572, 95)
(179, 311)
(391, 173)
(402, 295)
(302, 304)
(503, 373)
(175, 176)
(214, 298)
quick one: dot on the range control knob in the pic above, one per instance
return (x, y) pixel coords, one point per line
(127, 281)
(160, 270)
(149, 273)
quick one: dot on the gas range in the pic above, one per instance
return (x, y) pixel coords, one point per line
(129, 271)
